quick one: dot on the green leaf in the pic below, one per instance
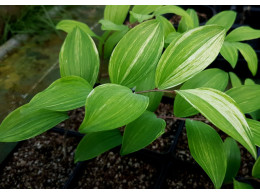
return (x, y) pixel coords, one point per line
(64, 94)
(207, 78)
(255, 115)
(141, 132)
(116, 13)
(108, 25)
(193, 14)
(167, 25)
(246, 96)
(229, 53)
(19, 125)
(241, 185)
(235, 80)
(255, 129)
(224, 18)
(256, 169)
(233, 159)
(189, 55)
(94, 144)
(222, 111)
(79, 56)
(136, 54)
(172, 37)
(140, 17)
(110, 106)
(112, 41)
(187, 20)
(249, 54)
(207, 149)
(243, 33)
(142, 9)
(69, 25)
(249, 82)
(154, 97)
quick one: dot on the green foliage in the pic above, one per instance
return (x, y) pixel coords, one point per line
(255, 128)
(142, 10)
(183, 26)
(230, 53)
(140, 17)
(256, 169)
(241, 185)
(116, 13)
(108, 25)
(243, 33)
(207, 149)
(167, 26)
(235, 80)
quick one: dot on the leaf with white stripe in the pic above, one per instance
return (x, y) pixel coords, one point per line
(243, 33)
(207, 148)
(142, 9)
(116, 13)
(79, 56)
(136, 54)
(255, 128)
(189, 55)
(229, 53)
(64, 94)
(221, 110)
(110, 106)
(246, 96)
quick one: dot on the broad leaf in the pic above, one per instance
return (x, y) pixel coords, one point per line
(189, 55)
(108, 25)
(19, 125)
(207, 78)
(94, 144)
(110, 106)
(142, 9)
(235, 80)
(136, 54)
(207, 149)
(172, 37)
(193, 14)
(255, 128)
(249, 82)
(167, 25)
(154, 97)
(256, 169)
(241, 185)
(79, 56)
(230, 53)
(247, 97)
(141, 132)
(140, 17)
(249, 54)
(116, 13)
(69, 25)
(223, 112)
(233, 159)
(64, 94)
(243, 33)
(224, 18)
(112, 41)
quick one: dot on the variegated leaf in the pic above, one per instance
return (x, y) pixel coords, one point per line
(116, 13)
(221, 110)
(136, 54)
(189, 55)
(79, 56)
(110, 106)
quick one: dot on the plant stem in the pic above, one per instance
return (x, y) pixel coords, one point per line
(183, 119)
(155, 90)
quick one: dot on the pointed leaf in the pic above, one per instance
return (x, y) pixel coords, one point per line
(142, 9)
(230, 53)
(167, 25)
(256, 169)
(110, 106)
(64, 94)
(69, 25)
(189, 55)
(235, 81)
(207, 78)
(116, 13)
(140, 17)
(207, 149)
(247, 97)
(136, 54)
(193, 14)
(224, 18)
(249, 82)
(19, 125)
(241, 185)
(250, 56)
(79, 56)
(141, 132)
(108, 25)
(233, 159)
(255, 128)
(94, 144)
(243, 33)
(223, 112)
